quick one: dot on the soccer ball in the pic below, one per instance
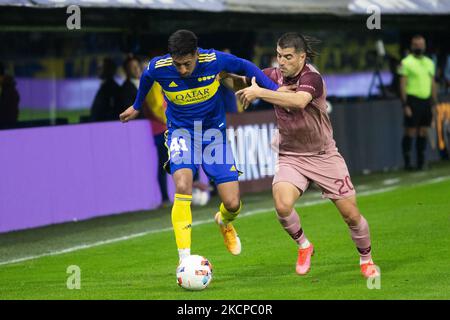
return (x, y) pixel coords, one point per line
(199, 197)
(194, 273)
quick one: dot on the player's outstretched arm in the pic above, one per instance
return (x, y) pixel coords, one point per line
(239, 66)
(145, 84)
(283, 97)
(129, 114)
(233, 81)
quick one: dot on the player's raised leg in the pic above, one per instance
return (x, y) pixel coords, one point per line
(229, 209)
(285, 195)
(359, 230)
(181, 211)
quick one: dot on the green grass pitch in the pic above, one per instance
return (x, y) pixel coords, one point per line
(410, 229)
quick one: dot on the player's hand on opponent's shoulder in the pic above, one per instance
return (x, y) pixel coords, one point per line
(129, 114)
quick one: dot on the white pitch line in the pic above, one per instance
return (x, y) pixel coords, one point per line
(388, 182)
(244, 214)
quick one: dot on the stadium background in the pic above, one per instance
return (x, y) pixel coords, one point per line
(59, 168)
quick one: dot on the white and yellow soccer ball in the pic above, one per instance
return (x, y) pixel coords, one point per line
(199, 197)
(194, 273)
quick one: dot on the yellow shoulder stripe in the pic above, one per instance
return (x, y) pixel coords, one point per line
(158, 64)
(163, 65)
(206, 60)
(163, 61)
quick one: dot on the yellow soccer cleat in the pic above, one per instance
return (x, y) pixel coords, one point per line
(230, 237)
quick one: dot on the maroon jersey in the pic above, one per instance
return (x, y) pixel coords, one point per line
(304, 131)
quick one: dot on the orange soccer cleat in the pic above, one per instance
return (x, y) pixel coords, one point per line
(230, 237)
(304, 260)
(370, 270)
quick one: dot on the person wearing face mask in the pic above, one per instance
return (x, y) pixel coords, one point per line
(418, 94)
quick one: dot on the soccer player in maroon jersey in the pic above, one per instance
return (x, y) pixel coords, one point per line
(307, 150)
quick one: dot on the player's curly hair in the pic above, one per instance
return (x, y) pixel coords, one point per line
(182, 43)
(300, 43)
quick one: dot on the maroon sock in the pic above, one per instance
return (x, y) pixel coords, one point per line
(291, 225)
(361, 237)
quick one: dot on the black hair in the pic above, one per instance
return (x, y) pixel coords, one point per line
(109, 68)
(182, 43)
(299, 42)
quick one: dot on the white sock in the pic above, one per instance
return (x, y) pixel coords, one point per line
(364, 261)
(183, 253)
(305, 244)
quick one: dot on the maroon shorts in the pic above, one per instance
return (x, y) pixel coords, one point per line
(327, 170)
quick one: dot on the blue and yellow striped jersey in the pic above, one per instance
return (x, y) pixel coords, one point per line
(196, 98)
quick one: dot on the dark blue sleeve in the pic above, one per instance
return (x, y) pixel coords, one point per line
(233, 64)
(145, 85)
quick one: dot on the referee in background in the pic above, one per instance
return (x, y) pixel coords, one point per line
(418, 93)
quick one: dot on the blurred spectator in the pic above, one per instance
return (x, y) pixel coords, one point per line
(394, 65)
(129, 88)
(447, 73)
(106, 104)
(419, 95)
(9, 100)
(155, 110)
(274, 62)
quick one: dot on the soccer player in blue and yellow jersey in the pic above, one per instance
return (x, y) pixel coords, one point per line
(196, 128)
